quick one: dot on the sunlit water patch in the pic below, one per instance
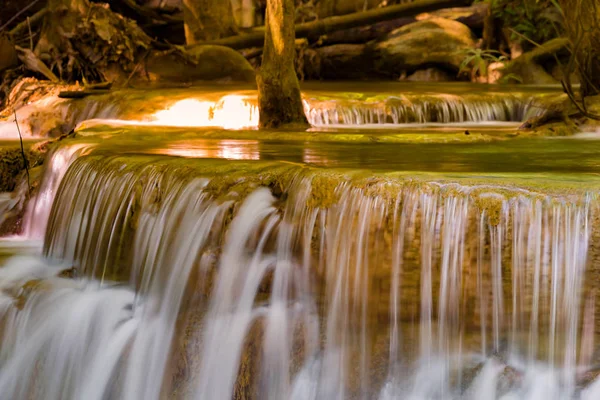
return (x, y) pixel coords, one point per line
(238, 109)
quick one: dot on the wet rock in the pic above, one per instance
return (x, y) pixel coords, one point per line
(468, 376)
(554, 109)
(509, 378)
(200, 63)
(434, 42)
(70, 273)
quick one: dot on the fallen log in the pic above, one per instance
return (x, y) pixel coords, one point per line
(364, 34)
(80, 94)
(472, 16)
(313, 30)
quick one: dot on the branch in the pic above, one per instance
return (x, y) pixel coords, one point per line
(34, 20)
(582, 109)
(25, 162)
(17, 15)
(327, 25)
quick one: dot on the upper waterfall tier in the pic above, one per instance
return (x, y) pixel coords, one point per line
(327, 107)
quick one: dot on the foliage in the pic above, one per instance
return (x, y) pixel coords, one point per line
(529, 20)
(89, 38)
(476, 61)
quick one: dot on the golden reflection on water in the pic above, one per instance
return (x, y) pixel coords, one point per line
(313, 156)
(226, 149)
(229, 112)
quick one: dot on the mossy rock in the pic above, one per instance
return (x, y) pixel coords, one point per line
(434, 42)
(199, 63)
(527, 68)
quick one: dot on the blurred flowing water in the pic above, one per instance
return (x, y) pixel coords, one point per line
(326, 106)
(220, 277)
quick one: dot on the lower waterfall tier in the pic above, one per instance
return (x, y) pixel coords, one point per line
(178, 278)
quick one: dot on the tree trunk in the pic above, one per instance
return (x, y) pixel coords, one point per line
(279, 99)
(207, 20)
(582, 22)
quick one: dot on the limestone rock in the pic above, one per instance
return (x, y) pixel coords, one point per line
(434, 42)
(200, 63)
(527, 67)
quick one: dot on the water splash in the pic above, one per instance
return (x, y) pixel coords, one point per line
(381, 290)
(39, 207)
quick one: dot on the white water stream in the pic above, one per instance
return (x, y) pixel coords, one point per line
(184, 292)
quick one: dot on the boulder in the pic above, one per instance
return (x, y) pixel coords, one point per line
(199, 63)
(527, 68)
(438, 42)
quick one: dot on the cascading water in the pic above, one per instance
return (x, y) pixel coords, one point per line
(238, 109)
(206, 280)
(421, 109)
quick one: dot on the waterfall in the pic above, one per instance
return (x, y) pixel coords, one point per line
(239, 109)
(422, 109)
(199, 279)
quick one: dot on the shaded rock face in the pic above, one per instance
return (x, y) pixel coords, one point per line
(532, 73)
(428, 50)
(201, 63)
(434, 42)
(430, 75)
(340, 61)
